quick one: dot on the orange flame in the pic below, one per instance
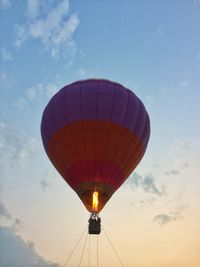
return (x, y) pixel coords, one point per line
(95, 201)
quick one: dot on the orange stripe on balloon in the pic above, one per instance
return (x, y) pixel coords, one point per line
(92, 140)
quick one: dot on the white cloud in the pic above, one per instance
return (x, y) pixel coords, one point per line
(5, 79)
(33, 8)
(16, 224)
(40, 90)
(48, 178)
(180, 165)
(44, 184)
(3, 211)
(196, 3)
(186, 150)
(187, 156)
(173, 172)
(16, 147)
(154, 99)
(5, 54)
(22, 34)
(181, 145)
(22, 254)
(54, 30)
(160, 30)
(164, 218)
(8, 218)
(45, 28)
(147, 183)
(4, 4)
(36, 93)
(63, 38)
(82, 73)
(21, 103)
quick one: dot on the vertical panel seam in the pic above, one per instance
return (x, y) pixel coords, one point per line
(112, 174)
(138, 155)
(95, 138)
(128, 144)
(74, 143)
(107, 138)
(83, 135)
(138, 143)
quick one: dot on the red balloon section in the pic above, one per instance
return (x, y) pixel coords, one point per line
(95, 132)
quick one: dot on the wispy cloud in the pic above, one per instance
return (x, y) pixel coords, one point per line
(165, 218)
(54, 28)
(160, 30)
(196, 3)
(147, 183)
(8, 218)
(23, 253)
(5, 79)
(17, 224)
(45, 184)
(16, 147)
(4, 212)
(47, 178)
(5, 54)
(173, 172)
(184, 144)
(150, 186)
(40, 90)
(4, 4)
(154, 98)
(82, 73)
(181, 165)
(21, 103)
(33, 8)
(36, 93)
(187, 153)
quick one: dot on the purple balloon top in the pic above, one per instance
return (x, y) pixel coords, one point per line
(96, 99)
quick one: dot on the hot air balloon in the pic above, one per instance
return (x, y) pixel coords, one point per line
(95, 132)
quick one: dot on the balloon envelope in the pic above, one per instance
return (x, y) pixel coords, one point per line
(95, 132)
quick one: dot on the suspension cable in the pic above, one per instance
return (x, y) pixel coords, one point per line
(76, 245)
(113, 248)
(97, 252)
(86, 237)
(89, 247)
(89, 252)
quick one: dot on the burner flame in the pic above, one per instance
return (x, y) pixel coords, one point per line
(95, 201)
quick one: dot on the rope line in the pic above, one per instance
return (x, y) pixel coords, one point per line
(89, 252)
(97, 252)
(86, 237)
(113, 248)
(76, 245)
(89, 248)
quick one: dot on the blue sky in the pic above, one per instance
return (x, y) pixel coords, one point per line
(152, 47)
